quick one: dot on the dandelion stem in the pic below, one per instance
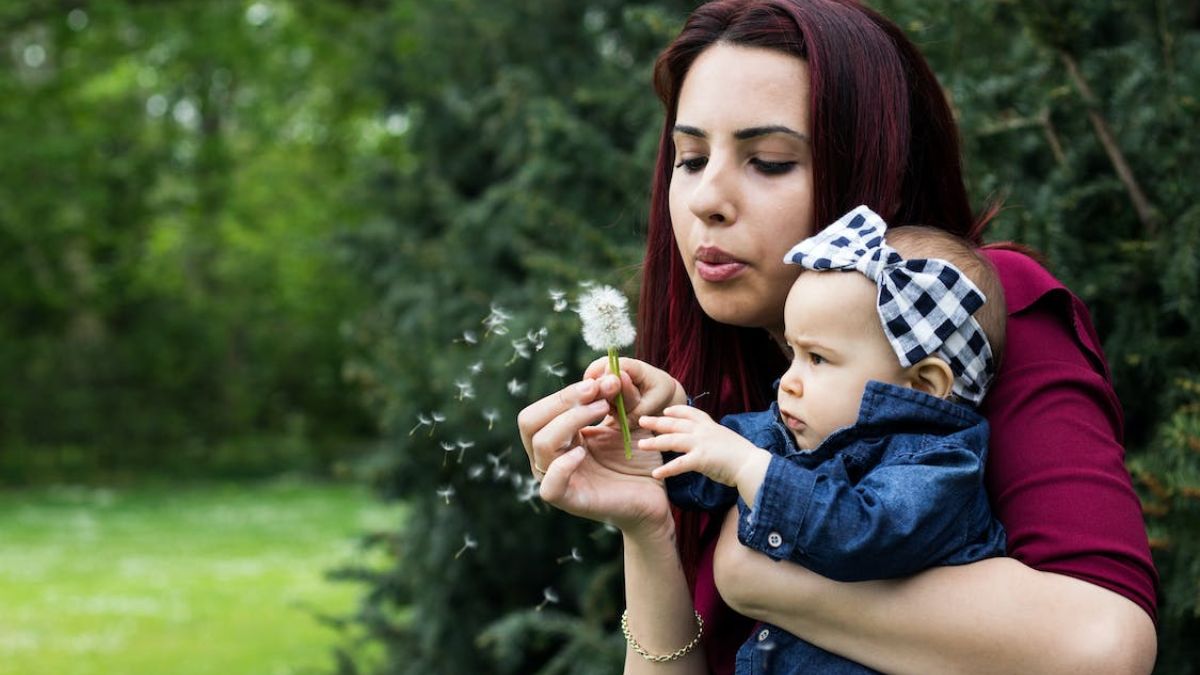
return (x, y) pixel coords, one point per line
(615, 365)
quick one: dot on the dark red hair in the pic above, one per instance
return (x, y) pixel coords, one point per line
(882, 135)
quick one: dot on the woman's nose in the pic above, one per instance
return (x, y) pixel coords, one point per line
(714, 199)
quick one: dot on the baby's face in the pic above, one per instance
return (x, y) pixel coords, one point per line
(838, 345)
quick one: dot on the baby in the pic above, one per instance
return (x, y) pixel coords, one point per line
(869, 465)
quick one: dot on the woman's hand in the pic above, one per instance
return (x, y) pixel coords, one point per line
(575, 448)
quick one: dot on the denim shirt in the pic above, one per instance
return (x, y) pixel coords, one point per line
(899, 491)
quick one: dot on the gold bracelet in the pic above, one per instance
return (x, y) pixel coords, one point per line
(661, 658)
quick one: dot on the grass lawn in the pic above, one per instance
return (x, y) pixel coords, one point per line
(176, 579)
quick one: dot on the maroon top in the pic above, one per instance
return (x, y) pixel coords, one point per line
(1055, 472)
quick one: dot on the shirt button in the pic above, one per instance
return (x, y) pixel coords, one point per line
(774, 540)
(763, 634)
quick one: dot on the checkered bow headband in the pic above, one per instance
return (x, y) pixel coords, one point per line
(925, 305)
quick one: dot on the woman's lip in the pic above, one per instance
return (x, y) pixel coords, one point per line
(724, 271)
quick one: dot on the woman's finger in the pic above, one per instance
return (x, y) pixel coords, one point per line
(596, 368)
(560, 433)
(558, 475)
(538, 414)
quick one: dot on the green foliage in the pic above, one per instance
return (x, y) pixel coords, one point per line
(171, 197)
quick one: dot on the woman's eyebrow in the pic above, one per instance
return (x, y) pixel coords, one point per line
(743, 134)
(754, 132)
(690, 131)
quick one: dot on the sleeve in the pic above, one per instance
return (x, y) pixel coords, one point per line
(694, 491)
(912, 511)
(1056, 472)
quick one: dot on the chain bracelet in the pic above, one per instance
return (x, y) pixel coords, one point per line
(661, 658)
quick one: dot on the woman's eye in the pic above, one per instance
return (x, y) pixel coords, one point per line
(692, 164)
(772, 168)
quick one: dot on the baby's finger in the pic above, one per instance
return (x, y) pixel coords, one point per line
(672, 468)
(665, 425)
(667, 443)
(687, 412)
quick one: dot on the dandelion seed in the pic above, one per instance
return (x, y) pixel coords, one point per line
(463, 446)
(468, 337)
(475, 471)
(446, 493)
(494, 459)
(437, 418)
(448, 448)
(573, 556)
(468, 543)
(559, 298)
(422, 421)
(549, 596)
(520, 351)
(476, 368)
(556, 369)
(530, 490)
(516, 387)
(537, 338)
(500, 473)
(495, 321)
(491, 415)
(465, 389)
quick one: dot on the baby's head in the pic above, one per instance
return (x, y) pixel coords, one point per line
(835, 328)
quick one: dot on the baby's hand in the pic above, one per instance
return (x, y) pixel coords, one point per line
(715, 451)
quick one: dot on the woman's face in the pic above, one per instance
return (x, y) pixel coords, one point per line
(741, 191)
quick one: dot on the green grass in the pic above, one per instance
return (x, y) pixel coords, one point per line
(178, 580)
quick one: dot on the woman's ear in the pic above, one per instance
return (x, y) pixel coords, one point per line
(932, 376)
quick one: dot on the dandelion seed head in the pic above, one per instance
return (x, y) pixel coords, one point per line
(549, 594)
(605, 315)
(491, 414)
(437, 417)
(449, 447)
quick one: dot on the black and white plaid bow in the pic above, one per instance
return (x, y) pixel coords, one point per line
(925, 305)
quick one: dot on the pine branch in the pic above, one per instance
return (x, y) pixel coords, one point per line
(1146, 213)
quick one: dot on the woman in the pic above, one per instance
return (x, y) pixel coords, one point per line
(780, 116)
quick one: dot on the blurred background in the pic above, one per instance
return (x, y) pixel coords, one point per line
(276, 276)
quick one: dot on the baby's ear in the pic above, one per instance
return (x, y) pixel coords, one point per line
(932, 376)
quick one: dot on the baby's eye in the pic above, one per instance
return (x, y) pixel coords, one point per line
(815, 359)
(692, 164)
